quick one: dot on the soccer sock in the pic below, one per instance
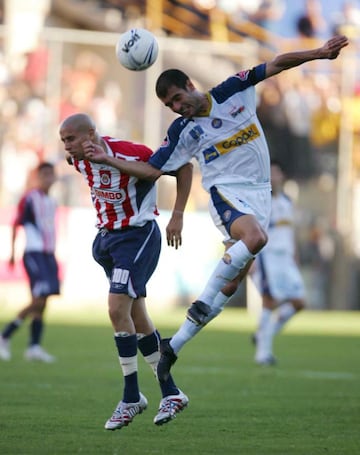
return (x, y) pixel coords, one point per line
(127, 348)
(217, 306)
(36, 331)
(188, 329)
(234, 260)
(264, 319)
(285, 312)
(149, 346)
(11, 328)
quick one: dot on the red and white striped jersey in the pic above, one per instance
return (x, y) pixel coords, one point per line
(120, 200)
(36, 213)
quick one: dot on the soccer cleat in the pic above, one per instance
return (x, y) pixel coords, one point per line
(167, 359)
(5, 353)
(268, 360)
(37, 353)
(125, 412)
(169, 407)
(198, 312)
(254, 338)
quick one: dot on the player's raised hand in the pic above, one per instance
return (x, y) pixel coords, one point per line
(331, 49)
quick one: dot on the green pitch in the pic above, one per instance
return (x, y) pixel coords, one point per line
(307, 405)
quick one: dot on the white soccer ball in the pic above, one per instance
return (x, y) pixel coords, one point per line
(137, 49)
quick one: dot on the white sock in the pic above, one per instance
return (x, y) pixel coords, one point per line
(217, 306)
(264, 343)
(234, 260)
(264, 318)
(188, 329)
(285, 312)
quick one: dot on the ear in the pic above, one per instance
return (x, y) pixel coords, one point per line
(190, 87)
(92, 133)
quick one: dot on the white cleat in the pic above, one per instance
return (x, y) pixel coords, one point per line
(125, 412)
(169, 407)
(268, 360)
(37, 353)
(5, 353)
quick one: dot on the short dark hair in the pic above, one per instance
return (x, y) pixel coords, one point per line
(169, 78)
(44, 165)
(275, 162)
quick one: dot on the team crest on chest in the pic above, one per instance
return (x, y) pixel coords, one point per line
(216, 123)
(105, 178)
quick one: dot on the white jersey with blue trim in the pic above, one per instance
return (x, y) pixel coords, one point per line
(228, 143)
(281, 229)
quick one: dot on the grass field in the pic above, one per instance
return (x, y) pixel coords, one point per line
(307, 405)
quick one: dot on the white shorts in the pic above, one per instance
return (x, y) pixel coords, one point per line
(228, 202)
(278, 275)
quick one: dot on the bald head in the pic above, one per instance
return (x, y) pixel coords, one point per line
(74, 131)
(79, 122)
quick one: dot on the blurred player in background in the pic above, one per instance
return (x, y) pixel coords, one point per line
(36, 214)
(220, 129)
(127, 246)
(276, 273)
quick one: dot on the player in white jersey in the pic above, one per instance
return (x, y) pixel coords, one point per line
(221, 131)
(127, 246)
(276, 273)
(36, 214)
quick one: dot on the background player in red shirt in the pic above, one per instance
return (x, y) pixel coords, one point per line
(36, 214)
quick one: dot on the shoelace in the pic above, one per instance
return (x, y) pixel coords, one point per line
(170, 405)
(126, 413)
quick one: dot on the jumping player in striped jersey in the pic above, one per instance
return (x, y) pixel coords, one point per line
(36, 214)
(127, 246)
(220, 129)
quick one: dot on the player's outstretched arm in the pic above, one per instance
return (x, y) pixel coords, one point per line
(139, 169)
(330, 50)
(183, 187)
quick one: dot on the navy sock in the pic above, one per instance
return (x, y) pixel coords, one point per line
(11, 328)
(127, 347)
(36, 331)
(147, 346)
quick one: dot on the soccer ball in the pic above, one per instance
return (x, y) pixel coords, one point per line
(137, 49)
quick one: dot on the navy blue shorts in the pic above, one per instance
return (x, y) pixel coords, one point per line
(42, 270)
(128, 257)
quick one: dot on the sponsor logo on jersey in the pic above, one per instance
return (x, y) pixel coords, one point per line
(236, 111)
(110, 196)
(283, 222)
(236, 140)
(243, 75)
(196, 132)
(216, 123)
(210, 154)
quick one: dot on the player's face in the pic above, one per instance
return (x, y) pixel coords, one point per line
(46, 178)
(187, 102)
(72, 140)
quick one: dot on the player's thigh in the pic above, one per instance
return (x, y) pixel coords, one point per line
(229, 205)
(129, 257)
